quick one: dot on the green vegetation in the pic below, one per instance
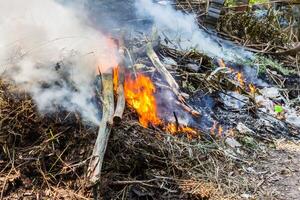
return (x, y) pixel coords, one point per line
(263, 63)
(231, 3)
(278, 108)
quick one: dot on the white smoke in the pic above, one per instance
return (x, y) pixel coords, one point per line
(51, 52)
(184, 30)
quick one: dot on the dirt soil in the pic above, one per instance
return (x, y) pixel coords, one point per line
(282, 167)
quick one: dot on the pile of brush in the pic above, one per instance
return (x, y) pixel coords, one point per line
(48, 157)
(53, 156)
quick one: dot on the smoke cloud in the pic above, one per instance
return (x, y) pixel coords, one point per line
(183, 29)
(49, 51)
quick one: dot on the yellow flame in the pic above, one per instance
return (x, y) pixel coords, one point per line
(220, 131)
(213, 128)
(115, 77)
(139, 94)
(252, 89)
(240, 78)
(173, 129)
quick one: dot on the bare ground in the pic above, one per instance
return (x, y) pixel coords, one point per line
(282, 177)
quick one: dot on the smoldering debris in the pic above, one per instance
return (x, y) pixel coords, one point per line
(182, 156)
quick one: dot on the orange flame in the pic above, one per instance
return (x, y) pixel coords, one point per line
(173, 129)
(216, 129)
(252, 89)
(116, 77)
(191, 133)
(213, 128)
(220, 131)
(240, 78)
(139, 94)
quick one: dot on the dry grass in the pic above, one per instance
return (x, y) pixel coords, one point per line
(47, 156)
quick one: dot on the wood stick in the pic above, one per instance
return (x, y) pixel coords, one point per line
(161, 68)
(95, 165)
(120, 95)
(169, 78)
(121, 78)
(292, 51)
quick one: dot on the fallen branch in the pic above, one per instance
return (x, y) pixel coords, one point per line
(161, 68)
(94, 169)
(120, 89)
(169, 78)
(292, 51)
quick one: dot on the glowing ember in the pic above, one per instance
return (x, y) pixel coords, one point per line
(216, 129)
(220, 131)
(213, 128)
(139, 94)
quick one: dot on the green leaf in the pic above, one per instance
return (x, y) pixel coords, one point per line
(278, 108)
(252, 2)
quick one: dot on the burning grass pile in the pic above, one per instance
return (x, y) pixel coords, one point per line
(47, 156)
(192, 128)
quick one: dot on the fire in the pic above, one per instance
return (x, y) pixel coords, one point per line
(240, 79)
(239, 76)
(216, 129)
(191, 133)
(139, 94)
(252, 89)
(174, 129)
(115, 77)
(213, 128)
(171, 128)
(220, 130)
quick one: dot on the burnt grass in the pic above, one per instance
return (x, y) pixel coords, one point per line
(46, 157)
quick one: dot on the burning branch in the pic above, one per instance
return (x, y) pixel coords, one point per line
(94, 170)
(119, 78)
(121, 97)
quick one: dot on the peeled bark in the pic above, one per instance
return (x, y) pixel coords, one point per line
(169, 78)
(95, 165)
(120, 96)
